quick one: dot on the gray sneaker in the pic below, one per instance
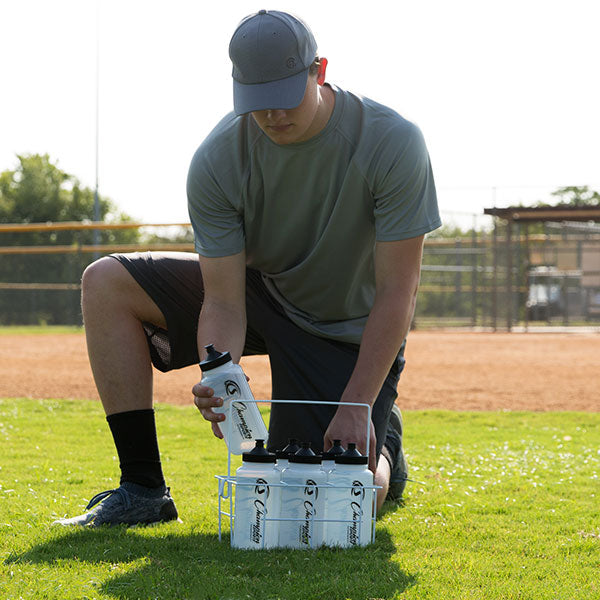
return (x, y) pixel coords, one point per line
(124, 506)
(399, 475)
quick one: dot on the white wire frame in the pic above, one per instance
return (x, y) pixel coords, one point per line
(226, 483)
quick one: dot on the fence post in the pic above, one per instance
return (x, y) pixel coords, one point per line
(77, 317)
(516, 299)
(527, 263)
(509, 275)
(565, 291)
(495, 275)
(458, 277)
(547, 261)
(474, 275)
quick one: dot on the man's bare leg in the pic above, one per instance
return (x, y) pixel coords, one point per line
(382, 478)
(114, 307)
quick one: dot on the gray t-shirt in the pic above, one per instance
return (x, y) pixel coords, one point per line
(309, 214)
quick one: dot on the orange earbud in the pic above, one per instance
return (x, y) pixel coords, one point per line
(322, 69)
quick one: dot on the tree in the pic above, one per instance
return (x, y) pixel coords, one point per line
(574, 195)
(38, 191)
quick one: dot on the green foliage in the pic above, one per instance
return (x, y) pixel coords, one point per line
(38, 191)
(576, 196)
(503, 506)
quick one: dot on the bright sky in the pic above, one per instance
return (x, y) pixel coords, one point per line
(507, 93)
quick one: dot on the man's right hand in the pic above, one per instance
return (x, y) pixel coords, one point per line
(205, 401)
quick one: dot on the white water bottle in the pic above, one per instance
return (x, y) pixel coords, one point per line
(243, 423)
(256, 500)
(284, 455)
(328, 463)
(350, 501)
(302, 500)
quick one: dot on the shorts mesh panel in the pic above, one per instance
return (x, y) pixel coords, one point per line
(160, 346)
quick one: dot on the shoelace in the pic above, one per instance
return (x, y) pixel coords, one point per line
(102, 495)
(408, 479)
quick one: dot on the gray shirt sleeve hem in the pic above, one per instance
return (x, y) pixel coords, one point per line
(218, 252)
(405, 235)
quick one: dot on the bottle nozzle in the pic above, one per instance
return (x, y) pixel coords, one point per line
(291, 448)
(214, 358)
(259, 453)
(305, 455)
(351, 456)
(305, 450)
(334, 451)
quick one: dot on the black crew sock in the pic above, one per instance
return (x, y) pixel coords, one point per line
(134, 433)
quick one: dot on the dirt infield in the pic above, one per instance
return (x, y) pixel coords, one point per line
(452, 370)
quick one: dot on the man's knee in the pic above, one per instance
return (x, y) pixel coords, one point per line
(100, 278)
(107, 285)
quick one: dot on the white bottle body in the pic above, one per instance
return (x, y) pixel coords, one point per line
(256, 499)
(282, 464)
(243, 422)
(327, 465)
(303, 500)
(349, 506)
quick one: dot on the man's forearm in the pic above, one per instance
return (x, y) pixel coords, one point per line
(386, 329)
(384, 333)
(397, 274)
(223, 326)
(222, 320)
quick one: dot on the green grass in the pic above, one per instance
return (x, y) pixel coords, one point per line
(508, 507)
(38, 329)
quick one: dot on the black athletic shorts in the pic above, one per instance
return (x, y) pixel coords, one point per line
(303, 366)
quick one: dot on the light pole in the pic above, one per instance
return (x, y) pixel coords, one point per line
(96, 198)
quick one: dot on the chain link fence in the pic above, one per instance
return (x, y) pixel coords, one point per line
(486, 278)
(543, 274)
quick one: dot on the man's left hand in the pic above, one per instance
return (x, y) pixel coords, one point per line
(350, 425)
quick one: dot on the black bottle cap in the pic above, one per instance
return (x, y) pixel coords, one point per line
(214, 358)
(291, 448)
(258, 454)
(334, 451)
(351, 457)
(305, 455)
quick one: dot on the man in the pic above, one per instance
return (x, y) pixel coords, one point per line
(309, 206)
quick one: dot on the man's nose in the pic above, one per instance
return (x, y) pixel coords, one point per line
(276, 114)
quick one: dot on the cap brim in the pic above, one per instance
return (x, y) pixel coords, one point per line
(281, 94)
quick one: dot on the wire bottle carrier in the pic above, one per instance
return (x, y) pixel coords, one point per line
(228, 483)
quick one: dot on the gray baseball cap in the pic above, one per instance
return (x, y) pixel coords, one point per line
(271, 52)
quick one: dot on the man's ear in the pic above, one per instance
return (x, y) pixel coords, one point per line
(322, 70)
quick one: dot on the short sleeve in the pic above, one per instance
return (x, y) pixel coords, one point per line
(217, 224)
(404, 189)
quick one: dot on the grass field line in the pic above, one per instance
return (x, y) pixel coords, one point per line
(39, 329)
